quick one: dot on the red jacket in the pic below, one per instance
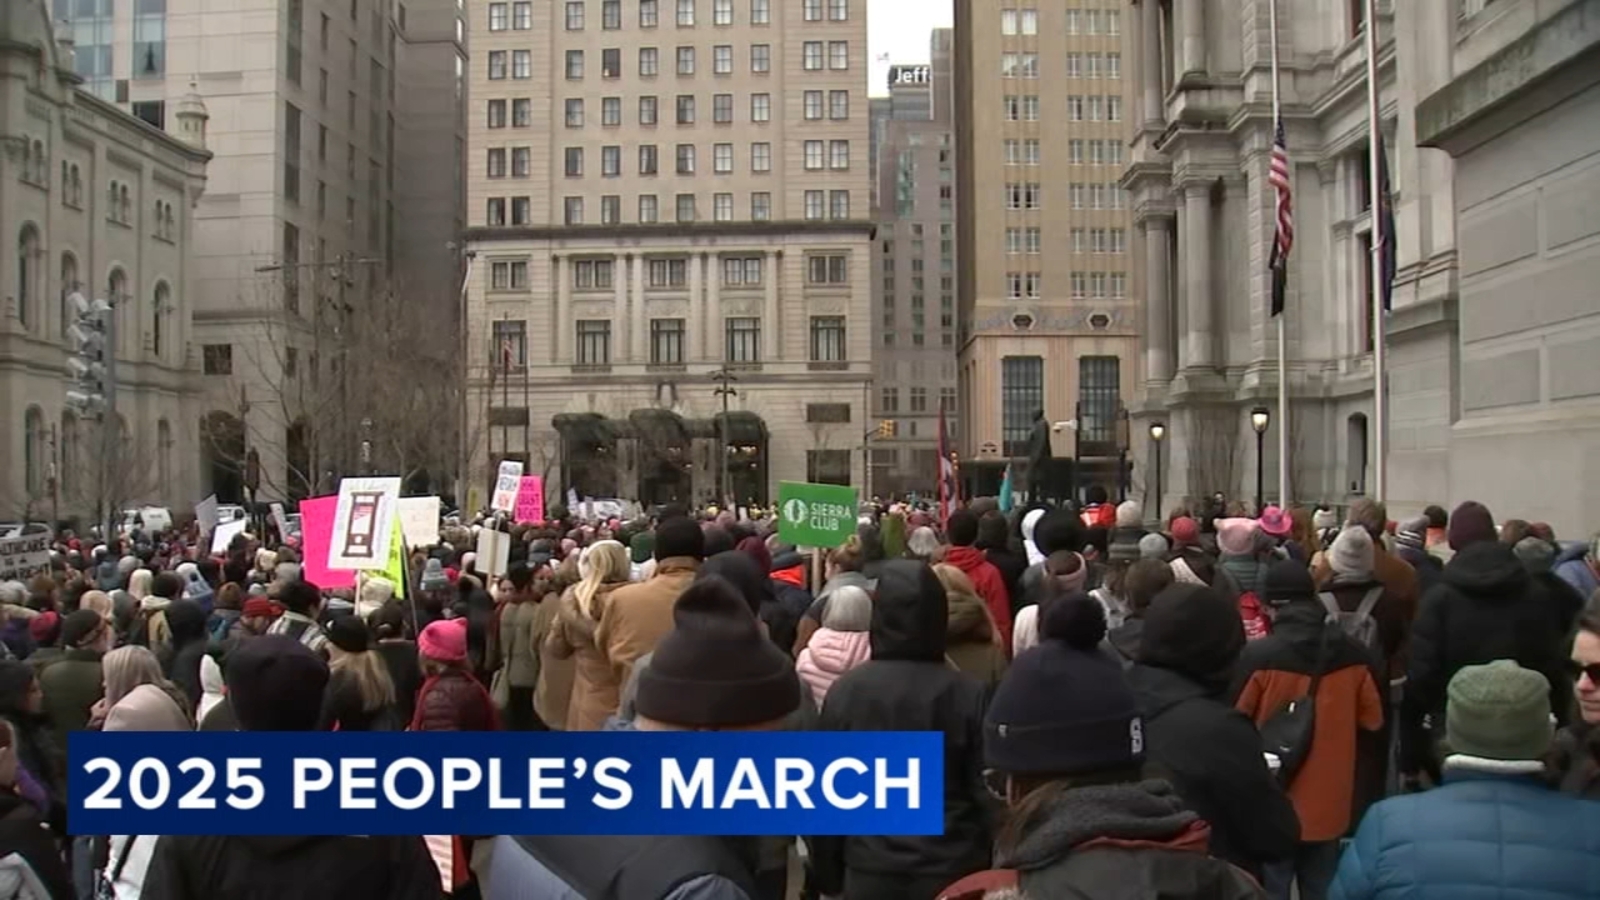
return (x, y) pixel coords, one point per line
(991, 587)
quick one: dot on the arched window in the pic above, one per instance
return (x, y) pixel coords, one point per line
(168, 225)
(33, 462)
(41, 163)
(126, 205)
(27, 273)
(66, 172)
(117, 295)
(77, 187)
(1356, 452)
(27, 160)
(158, 312)
(113, 199)
(164, 458)
(69, 283)
(68, 469)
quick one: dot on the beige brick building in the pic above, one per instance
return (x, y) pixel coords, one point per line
(1046, 313)
(659, 190)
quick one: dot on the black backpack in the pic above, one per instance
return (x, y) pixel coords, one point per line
(1288, 733)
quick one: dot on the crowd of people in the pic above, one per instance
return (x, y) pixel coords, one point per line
(1218, 705)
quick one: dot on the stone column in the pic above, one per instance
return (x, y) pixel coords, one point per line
(562, 275)
(695, 343)
(619, 311)
(637, 336)
(1158, 298)
(771, 350)
(1192, 14)
(1196, 235)
(1150, 60)
(714, 316)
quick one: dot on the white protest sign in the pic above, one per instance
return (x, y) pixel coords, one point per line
(419, 521)
(225, 533)
(281, 520)
(363, 523)
(25, 556)
(205, 512)
(506, 487)
(494, 552)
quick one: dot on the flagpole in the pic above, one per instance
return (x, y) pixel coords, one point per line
(1380, 400)
(1283, 342)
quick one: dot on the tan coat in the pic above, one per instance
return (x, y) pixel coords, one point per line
(595, 693)
(519, 645)
(554, 691)
(640, 614)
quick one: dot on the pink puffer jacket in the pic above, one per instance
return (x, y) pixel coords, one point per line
(829, 655)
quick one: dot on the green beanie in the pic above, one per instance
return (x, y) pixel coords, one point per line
(642, 547)
(1499, 711)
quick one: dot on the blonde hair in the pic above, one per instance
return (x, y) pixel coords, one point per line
(607, 562)
(370, 673)
(100, 602)
(139, 583)
(126, 668)
(849, 609)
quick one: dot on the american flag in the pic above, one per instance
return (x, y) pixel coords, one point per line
(949, 488)
(1283, 233)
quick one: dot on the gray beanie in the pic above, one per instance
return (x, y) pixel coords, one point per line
(286, 572)
(1498, 711)
(1536, 553)
(1153, 546)
(127, 565)
(1351, 557)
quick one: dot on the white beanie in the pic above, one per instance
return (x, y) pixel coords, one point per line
(1351, 557)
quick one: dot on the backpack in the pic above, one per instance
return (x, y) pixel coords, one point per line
(1358, 623)
(1288, 732)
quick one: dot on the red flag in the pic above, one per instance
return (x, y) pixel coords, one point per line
(949, 488)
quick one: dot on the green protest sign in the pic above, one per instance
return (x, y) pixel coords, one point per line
(815, 515)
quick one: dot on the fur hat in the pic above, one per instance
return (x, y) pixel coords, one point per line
(1236, 537)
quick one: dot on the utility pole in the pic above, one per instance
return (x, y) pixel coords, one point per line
(53, 481)
(92, 393)
(725, 390)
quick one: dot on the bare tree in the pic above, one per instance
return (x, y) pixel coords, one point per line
(111, 476)
(1214, 453)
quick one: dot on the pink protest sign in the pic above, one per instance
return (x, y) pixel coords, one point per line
(530, 499)
(316, 533)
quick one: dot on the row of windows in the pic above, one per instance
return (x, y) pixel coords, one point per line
(519, 16)
(1094, 65)
(1099, 240)
(30, 287)
(668, 341)
(816, 56)
(1080, 108)
(684, 159)
(1022, 393)
(1030, 195)
(817, 105)
(1085, 285)
(918, 396)
(40, 447)
(818, 206)
(672, 272)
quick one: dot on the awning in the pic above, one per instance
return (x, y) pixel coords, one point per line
(659, 427)
(585, 428)
(743, 427)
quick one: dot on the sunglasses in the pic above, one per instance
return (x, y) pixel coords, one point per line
(1590, 669)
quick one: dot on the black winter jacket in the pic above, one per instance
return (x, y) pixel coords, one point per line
(204, 867)
(908, 686)
(1212, 752)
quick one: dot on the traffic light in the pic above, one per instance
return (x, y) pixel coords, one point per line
(91, 347)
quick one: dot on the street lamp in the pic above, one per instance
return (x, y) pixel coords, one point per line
(1260, 418)
(1157, 432)
(724, 379)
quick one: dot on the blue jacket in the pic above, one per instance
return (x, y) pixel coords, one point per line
(1481, 836)
(1572, 566)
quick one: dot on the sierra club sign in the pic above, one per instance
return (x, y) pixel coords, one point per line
(816, 515)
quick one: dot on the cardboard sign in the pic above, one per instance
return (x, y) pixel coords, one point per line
(25, 556)
(316, 533)
(205, 512)
(280, 519)
(419, 520)
(530, 499)
(506, 487)
(494, 552)
(225, 533)
(363, 523)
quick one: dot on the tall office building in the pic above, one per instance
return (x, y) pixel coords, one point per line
(914, 297)
(663, 193)
(1046, 317)
(1488, 113)
(295, 233)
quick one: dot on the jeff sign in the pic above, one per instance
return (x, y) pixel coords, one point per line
(904, 75)
(816, 515)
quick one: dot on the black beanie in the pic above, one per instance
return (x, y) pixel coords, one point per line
(80, 626)
(349, 633)
(1064, 707)
(1287, 580)
(275, 683)
(715, 668)
(1193, 630)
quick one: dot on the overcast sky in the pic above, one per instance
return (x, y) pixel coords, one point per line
(901, 28)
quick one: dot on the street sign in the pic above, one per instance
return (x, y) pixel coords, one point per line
(816, 515)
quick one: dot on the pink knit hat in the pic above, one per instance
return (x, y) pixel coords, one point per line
(1185, 531)
(444, 640)
(1236, 537)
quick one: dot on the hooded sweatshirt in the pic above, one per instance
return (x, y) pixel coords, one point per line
(830, 654)
(291, 868)
(991, 587)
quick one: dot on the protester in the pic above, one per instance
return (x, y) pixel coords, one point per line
(277, 683)
(973, 644)
(552, 692)
(212, 686)
(186, 622)
(72, 685)
(1579, 565)
(595, 688)
(1064, 572)
(360, 695)
(519, 649)
(962, 529)
(1065, 738)
(1144, 580)
(841, 644)
(994, 541)
(1494, 828)
(1351, 580)
(1411, 547)
(138, 696)
(639, 614)
(150, 626)
(31, 868)
(845, 568)
(396, 646)
(1308, 659)
(1187, 656)
(302, 603)
(907, 685)
(1574, 762)
(451, 698)
(257, 617)
(1399, 580)
(43, 762)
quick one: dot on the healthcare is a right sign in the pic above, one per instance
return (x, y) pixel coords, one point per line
(816, 515)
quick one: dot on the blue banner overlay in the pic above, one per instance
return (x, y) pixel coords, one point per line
(723, 783)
